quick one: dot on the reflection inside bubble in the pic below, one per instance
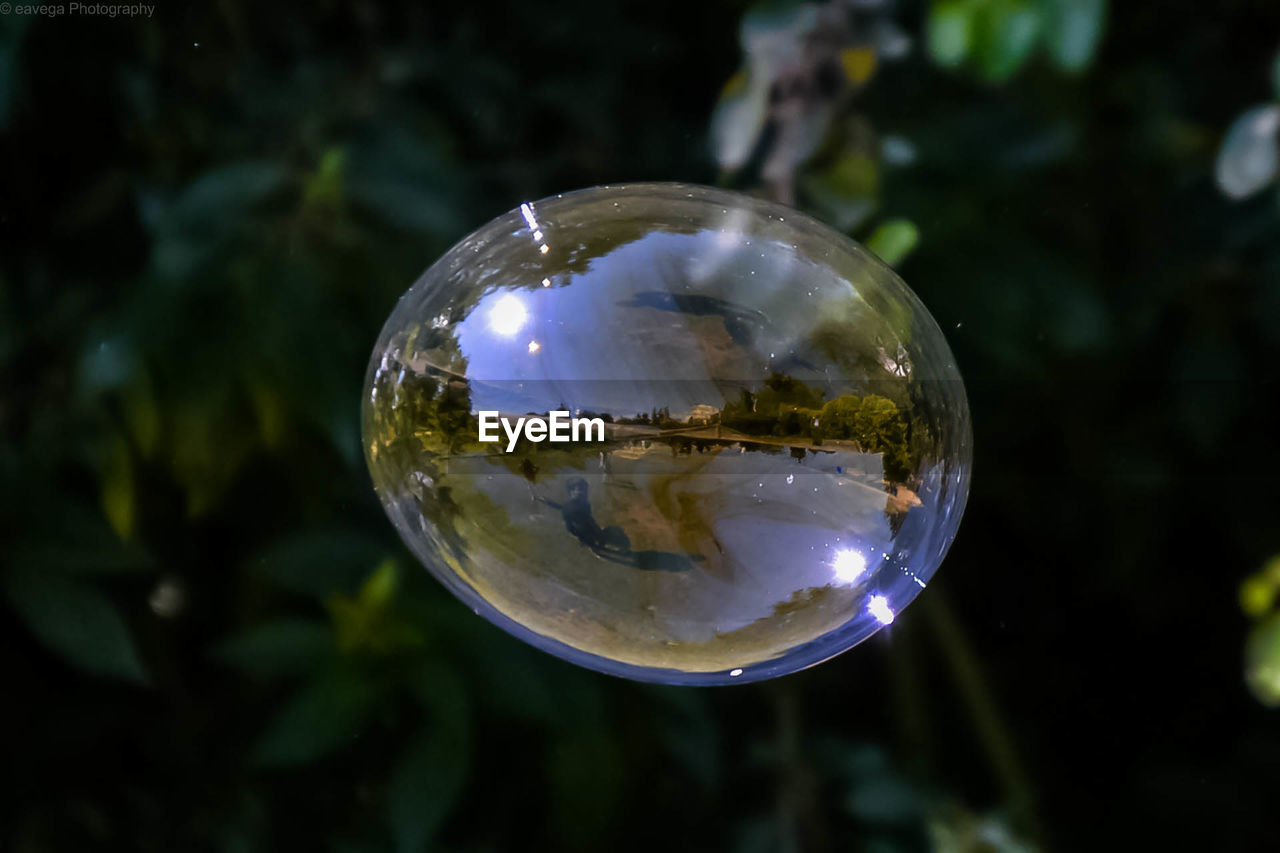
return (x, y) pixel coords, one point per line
(785, 443)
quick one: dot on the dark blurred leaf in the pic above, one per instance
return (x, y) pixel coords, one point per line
(1206, 401)
(329, 713)
(1007, 34)
(276, 649)
(75, 620)
(8, 62)
(689, 730)
(245, 828)
(322, 563)
(877, 793)
(76, 557)
(511, 676)
(323, 188)
(94, 549)
(193, 230)
(178, 256)
(106, 365)
(406, 181)
(853, 763)
(406, 206)
(1075, 318)
(424, 787)
(1072, 30)
(586, 786)
(431, 773)
(759, 835)
(844, 193)
(1034, 148)
(369, 622)
(210, 444)
(9, 334)
(116, 487)
(219, 197)
(270, 412)
(142, 414)
(1260, 592)
(1262, 661)
(886, 799)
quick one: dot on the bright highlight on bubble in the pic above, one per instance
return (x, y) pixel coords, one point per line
(508, 316)
(848, 565)
(879, 608)
(781, 448)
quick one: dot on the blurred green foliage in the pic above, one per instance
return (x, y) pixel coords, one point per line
(894, 240)
(997, 37)
(1259, 597)
(215, 639)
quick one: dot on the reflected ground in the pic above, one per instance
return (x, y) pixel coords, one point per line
(786, 448)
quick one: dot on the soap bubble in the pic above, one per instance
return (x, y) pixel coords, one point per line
(769, 443)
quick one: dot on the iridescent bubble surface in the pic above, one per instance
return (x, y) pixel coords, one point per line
(785, 448)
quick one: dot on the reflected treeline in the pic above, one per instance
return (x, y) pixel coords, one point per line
(414, 421)
(414, 410)
(787, 408)
(418, 418)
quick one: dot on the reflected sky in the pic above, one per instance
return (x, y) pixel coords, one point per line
(657, 321)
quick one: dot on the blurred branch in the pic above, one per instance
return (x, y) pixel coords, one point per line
(909, 695)
(992, 729)
(798, 820)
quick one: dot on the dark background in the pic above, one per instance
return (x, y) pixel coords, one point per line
(212, 638)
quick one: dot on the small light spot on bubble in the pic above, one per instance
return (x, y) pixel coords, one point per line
(735, 673)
